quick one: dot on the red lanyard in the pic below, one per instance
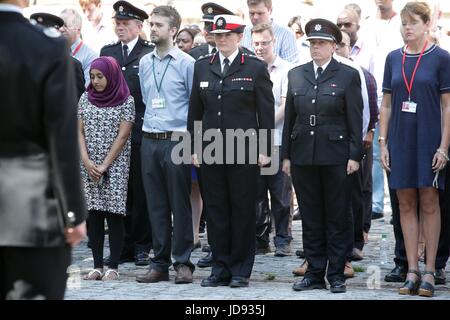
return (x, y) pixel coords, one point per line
(77, 49)
(409, 86)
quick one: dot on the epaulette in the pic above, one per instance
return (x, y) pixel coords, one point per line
(111, 44)
(205, 56)
(250, 55)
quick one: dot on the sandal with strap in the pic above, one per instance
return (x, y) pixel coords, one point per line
(95, 274)
(410, 287)
(111, 274)
(426, 288)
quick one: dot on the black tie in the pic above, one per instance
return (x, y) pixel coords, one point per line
(213, 50)
(125, 52)
(319, 72)
(226, 66)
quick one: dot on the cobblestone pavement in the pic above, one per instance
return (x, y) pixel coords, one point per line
(271, 279)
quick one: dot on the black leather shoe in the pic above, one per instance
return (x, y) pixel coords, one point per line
(398, 274)
(142, 259)
(308, 284)
(300, 254)
(377, 215)
(262, 250)
(214, 281)
(440, 276)
(338, 286)
(206, 261)
(238, 282)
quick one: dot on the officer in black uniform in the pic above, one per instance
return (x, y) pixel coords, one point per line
(52, 24)
(210, 10)
(42, 209)
(322, 146)
(137, 223)
(231, 90)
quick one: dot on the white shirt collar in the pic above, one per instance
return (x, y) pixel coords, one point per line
(230, 58)
(131, 44)
(210, 47)
(324, 66)
(275, 64)
(10, 8)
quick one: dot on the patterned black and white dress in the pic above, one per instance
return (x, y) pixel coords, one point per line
(101, 127)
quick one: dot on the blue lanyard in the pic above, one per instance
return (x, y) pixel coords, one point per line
(158, 87)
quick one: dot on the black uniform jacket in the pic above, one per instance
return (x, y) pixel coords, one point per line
(323, 119)
(130, 70)
(40, 185)
(201, 50)
(79, 76)
(241, 100)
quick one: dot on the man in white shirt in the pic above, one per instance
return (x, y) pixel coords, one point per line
(279, 185)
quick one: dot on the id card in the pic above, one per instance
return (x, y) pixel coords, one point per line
(158, 103)
(409, 106)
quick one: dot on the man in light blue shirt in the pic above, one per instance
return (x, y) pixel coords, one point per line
(286, 45)
(166, 79)
(78, 48)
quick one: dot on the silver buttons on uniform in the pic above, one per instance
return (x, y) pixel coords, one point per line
(123, 68)
(341, 137)
(218, 113)
(333, 93)
(311, 133)
(315, 87)
(219, 97)
(313, 101)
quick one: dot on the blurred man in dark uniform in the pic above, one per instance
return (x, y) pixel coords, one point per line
(128, 51)
(210, 10)
(322, 147)
(48, 21)
(231, 90)
(42, 209)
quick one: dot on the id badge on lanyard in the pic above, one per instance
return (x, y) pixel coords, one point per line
(410, 106)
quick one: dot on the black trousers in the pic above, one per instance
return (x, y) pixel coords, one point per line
(97, 237)
(280, 188)
(366, 166)
(33, 273)
(230, 198)
(138, 231)
(326, 218)
(362, 200)
(167, 188)
(444, 238)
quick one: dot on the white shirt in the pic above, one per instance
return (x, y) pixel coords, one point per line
(324, 66)
(278, 71)
(130, 45)
(230, 58)
(386, 37)
(365, 95)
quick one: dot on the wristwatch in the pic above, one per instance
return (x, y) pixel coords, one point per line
(381, 139)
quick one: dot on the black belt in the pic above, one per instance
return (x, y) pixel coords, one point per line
(313, 120)
(158, 135)
(19, 149)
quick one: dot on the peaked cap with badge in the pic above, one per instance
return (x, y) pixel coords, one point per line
(323, 29)
(225, 23)
(211, 9)
(126, 11)
(47, 19)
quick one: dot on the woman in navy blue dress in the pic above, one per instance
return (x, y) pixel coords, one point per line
(414, 137)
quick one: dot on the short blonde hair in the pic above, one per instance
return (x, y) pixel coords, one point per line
(422, 9)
